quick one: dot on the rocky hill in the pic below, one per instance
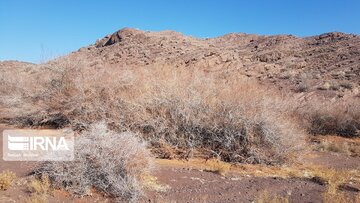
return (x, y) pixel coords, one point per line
(327, 64)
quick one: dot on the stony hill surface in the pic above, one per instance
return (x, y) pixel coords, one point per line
(328, 64)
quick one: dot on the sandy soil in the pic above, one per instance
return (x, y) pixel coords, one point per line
(19, 167)
(199, 186)
(334, 160)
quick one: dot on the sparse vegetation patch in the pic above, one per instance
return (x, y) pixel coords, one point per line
(111, 163)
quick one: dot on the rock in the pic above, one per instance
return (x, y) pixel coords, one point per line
(117, 37)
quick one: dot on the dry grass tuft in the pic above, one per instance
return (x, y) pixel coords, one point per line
(150, 182)
(346, 146)
(334, 179)
(40, 186)
(217, 166)
(35, 198)
(334, 147)
(6, 179)
(265, 197)
(40, 189)
(336, 197)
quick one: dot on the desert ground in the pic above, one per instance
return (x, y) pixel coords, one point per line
(164, 117)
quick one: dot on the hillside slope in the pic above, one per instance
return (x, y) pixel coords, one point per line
(328, 64)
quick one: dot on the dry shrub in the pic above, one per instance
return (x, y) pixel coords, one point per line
(6, 179)
(20, 90)
(188, 110)
(332, 117)
(111, 163)
(225, 117)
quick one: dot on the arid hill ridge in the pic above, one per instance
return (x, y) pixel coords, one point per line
(328, 63)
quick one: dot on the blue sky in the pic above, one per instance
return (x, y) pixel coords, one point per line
(37, 30)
